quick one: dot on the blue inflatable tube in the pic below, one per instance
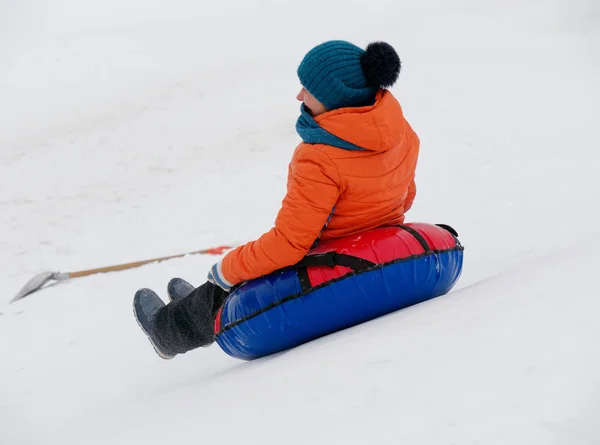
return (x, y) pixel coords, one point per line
(340, 284)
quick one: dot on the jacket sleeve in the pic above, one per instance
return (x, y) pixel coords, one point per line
(312, 191)
(412, 192)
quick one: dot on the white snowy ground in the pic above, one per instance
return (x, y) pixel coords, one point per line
(134, 129)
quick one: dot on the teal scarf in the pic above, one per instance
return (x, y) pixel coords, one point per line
(312, 133)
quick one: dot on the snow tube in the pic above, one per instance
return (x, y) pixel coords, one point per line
(339, 284)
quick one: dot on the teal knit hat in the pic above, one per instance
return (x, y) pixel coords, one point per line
(340, 74)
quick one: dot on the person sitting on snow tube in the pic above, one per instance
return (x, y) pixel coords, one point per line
(354, 171)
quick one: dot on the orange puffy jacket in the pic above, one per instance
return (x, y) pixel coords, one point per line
(332, 192)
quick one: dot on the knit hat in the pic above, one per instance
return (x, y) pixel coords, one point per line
(339, 74)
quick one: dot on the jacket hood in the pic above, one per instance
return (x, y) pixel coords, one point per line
(377, 127)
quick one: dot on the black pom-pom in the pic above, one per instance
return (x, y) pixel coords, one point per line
(381, 65)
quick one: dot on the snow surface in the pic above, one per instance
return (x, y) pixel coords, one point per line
(135, 129)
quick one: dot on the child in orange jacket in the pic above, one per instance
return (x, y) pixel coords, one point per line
(354, 171)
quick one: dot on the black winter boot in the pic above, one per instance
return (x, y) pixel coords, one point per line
(186, 323)
(146, 306)
(178, 288)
